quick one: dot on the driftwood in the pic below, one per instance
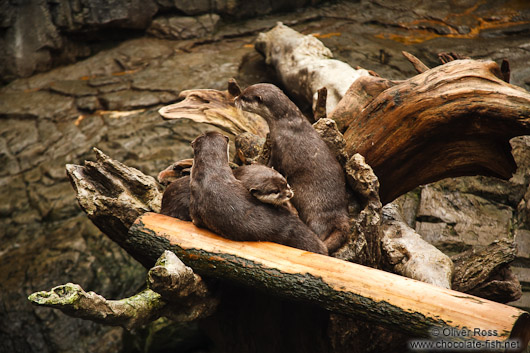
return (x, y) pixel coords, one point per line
(333, 284)
(418, 65)
(382, 123)
(216, 108)
(245, 304)
(485, 271)
(305, 65)
(174, 291)
(453, 120)
(113, 196)
(409, 255)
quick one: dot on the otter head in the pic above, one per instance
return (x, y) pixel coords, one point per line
(212, 143)
(275, 191)
(266, 100)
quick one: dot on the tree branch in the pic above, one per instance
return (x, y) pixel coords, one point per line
(336, 285)
(175, 292)
(484, 271)
(453, 120)
(418, 65)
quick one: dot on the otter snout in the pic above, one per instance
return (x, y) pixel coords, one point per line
(288, 193)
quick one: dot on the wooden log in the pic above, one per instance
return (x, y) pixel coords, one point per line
(174, 291)
(305, 65)
(485, 271)
(452, 120)
(338, 286)
(216, 108)
(418, 65)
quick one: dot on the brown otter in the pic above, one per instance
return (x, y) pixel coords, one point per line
(176, 199)
(222, 204)
(298, 152)
(264, 183)
(175, 171)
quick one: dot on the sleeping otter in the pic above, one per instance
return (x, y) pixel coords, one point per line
(264, 183)
(222, 204)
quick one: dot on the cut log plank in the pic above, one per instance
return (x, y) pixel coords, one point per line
(350, 289)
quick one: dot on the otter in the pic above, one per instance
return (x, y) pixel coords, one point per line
(176, 199)
(298, 152)
(222, 204)
(264, 183)
(175, 171)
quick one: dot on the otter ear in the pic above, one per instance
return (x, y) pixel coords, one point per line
(226, 138)
(253, 191)
(259, 99)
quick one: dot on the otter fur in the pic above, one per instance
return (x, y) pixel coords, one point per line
(222, 204)
(264, 183)
(298, 152)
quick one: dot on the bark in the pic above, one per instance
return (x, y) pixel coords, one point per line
(305, 65)
(484, 271)
(174, 291)
(453, 120)
(338, 286)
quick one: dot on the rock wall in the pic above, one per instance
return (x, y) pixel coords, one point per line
(37, 35)
(458, 213)
(56, 118)
(110, 101)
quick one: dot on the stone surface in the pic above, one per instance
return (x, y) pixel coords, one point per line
(56, 117)
(452, 220)
(183, 27)
(38, 34)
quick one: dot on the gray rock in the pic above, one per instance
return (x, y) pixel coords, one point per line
(77, 88)
(28, 41)
(453, 220)
(72, 16)
(193, 7)
(128, 100)
(39, 104)
(179, 27)
(89, 103)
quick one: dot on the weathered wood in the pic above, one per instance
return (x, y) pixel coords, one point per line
(216, 108)
(453, 120)
(130, 313)
(336, 285)
(113, 195)
(174, 291)
(305, 65)
(361, 93)
(418, 65)
(484, 271)
(319, 110)
(409, 255)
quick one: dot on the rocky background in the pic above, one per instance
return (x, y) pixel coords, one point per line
(137, 56)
